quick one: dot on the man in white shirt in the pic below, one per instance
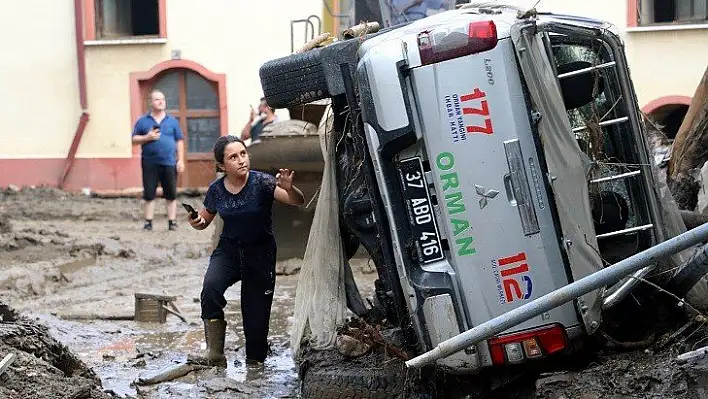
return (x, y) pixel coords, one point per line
(257, 121)
(412, 10)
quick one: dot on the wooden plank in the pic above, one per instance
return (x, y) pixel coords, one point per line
(7, 362)
(93, 316)
(175, 308)
(155, 297)
(168, 310)
(168, 374)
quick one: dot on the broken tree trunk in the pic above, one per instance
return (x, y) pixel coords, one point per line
(7, 362)
(690, 149)
(316, 41)
(169, 373)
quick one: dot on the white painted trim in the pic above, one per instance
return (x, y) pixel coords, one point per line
(669, 27)
(113, 42)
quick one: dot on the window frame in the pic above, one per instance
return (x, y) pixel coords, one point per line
(90, 26)
(633, 19)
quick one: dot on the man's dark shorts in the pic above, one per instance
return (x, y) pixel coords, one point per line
(164, 174)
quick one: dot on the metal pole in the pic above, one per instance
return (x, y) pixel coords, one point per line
(560, 296)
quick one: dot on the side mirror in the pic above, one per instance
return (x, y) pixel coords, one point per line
(578, 90)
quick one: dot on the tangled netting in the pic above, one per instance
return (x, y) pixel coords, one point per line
(320, 301)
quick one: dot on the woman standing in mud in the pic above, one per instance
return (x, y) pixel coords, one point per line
(246, 251)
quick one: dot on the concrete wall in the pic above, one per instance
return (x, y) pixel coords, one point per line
(39, 101)
(230, 37)
(667, 63)
(40, 108)
(38, 78)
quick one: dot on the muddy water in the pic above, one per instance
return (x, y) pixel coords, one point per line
(120, 352)
(63, 268)
(63, 255)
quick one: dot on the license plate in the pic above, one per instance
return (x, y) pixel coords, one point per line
(420, 210)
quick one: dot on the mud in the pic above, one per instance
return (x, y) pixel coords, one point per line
(628, 375)
(44, 368)
(70, 262)
(67, 260)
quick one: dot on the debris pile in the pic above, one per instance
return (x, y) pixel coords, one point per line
(42, 367)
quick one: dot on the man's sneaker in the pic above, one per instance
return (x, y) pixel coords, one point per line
(148, 225)
(255, 364)
(172, 225)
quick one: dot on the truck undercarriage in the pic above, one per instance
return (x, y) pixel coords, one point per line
(596, 100)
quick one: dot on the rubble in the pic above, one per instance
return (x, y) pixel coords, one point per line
(83, 290)
(351, 347)
(632, 375)
(43, 367)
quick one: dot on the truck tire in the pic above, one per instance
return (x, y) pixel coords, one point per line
(352, 381)
(294, 80)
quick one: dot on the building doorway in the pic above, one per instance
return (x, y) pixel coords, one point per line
(196, 96)
(668, 113)
(194, 101)
(670, 117)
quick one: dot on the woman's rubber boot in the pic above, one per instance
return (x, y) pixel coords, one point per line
(215, 334)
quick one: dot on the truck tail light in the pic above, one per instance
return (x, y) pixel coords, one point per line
(516, 348)
(440, 44)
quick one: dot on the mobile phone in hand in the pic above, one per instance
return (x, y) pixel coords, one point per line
(192, 212)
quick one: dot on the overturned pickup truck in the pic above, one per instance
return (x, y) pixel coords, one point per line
(485, 157)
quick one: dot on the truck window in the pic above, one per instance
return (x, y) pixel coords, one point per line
(602, 130)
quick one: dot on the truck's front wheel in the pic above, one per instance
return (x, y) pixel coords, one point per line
(294, 80)
(353, 381)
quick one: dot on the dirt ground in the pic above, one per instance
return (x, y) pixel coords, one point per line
(67, 259)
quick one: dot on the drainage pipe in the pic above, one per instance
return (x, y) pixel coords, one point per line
(83, 97)
(560, 296)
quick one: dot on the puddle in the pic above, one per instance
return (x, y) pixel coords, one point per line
(121, 351)
(96, 271)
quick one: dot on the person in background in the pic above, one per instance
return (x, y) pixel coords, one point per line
(246, 251)
(412, 10)
(162, 143)
(262, 118)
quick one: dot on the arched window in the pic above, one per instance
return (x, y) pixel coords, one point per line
(195, 96)
(195, 102)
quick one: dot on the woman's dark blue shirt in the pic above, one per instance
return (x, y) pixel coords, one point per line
(247, 215)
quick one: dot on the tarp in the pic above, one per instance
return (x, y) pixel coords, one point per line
(320, 302)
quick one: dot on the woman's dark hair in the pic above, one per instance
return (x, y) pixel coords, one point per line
(220, 147)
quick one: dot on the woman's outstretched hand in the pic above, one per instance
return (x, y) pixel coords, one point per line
(285, 179)
(285, 192)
